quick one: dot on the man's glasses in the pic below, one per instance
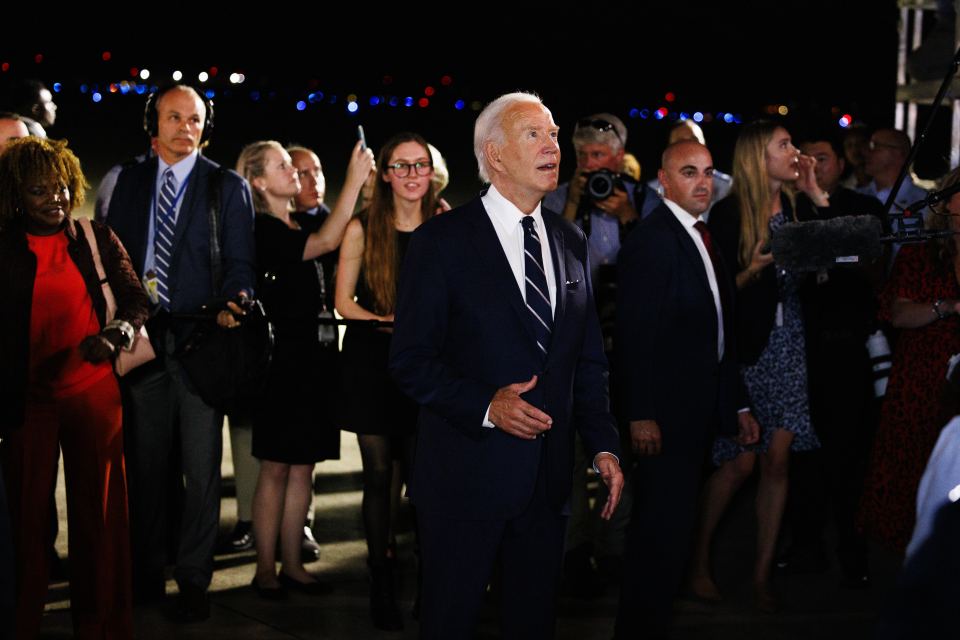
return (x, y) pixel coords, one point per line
(873, 145)
(600, 125)
(402, 169)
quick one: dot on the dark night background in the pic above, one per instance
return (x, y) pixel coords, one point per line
(820, 59)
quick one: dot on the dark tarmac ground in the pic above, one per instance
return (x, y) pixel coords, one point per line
(813, 605)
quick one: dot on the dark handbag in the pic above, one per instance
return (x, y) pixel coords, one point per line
(228, 367)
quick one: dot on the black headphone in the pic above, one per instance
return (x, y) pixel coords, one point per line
(151, 117)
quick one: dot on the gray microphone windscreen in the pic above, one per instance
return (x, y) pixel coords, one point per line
(821, 244)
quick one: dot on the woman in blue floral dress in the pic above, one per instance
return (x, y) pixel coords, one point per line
(768, 173)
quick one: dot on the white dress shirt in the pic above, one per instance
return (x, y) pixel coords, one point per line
(506, 219)
(688, 221)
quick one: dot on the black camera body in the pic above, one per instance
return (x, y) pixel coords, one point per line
(601, 183)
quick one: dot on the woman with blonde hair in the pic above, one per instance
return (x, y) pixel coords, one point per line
(767, 173)
(289, 432)
(373, 407)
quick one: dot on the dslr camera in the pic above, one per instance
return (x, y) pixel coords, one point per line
(601, 183)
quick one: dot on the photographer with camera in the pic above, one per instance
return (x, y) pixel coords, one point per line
(602, 201)
(606, 204)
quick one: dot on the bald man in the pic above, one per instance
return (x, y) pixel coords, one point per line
(12, 127)
(678, 377)
(690, 130)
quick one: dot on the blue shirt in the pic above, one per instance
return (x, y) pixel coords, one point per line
(908, 194)
(603, 244)
(181, 171)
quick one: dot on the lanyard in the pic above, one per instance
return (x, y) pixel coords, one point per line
(180, 192)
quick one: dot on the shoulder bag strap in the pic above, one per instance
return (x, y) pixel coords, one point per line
(111, 301)
(216, 259)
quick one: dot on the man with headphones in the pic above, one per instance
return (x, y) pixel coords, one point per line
(160, 210)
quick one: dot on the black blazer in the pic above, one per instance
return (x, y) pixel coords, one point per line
(757, 302)
(666, 337)
(462, 331)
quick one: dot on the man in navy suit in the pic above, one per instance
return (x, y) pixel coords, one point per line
(680, 382)
(496, 337)
(160, 211)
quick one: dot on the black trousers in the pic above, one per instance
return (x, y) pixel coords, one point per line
(665, 500)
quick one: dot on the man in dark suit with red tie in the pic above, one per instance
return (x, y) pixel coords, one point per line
(496, 337)
(680, 382)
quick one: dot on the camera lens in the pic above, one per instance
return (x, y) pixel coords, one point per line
(600, 184)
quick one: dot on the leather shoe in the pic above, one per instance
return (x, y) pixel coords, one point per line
(193, 604)
(309, 549)
(314, 588)
(242, 537)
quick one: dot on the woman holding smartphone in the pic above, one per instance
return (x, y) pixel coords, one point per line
(289, 432)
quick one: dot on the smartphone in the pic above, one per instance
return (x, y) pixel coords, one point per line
(361, 137)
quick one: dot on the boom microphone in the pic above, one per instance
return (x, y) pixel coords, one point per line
(932, 198)
(822, 244)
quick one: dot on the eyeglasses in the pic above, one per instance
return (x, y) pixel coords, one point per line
(873, 145)
(402, 169)
(600, 125)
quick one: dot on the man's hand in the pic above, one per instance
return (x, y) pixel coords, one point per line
(618, 204)
(514, 415)
(577, 184)
(229, 317)
(645, 437)
(748, 428)
(612, 476)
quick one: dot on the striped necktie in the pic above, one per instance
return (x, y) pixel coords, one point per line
(537, 294)
(163, 238)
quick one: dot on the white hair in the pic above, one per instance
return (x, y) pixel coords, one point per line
(489, 125)
(591, 135)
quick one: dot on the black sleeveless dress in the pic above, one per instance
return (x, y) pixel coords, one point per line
(294, 422)
(370, 401)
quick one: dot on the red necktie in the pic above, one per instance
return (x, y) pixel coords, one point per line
(718, 270)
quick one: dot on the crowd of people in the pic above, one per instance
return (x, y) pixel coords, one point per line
(474, 369)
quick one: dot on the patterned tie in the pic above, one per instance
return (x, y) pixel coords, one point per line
(538, 300)
(163, 238)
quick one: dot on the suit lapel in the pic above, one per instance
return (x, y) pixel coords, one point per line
(488, 245)
(192, 200)
(144, 200)
(558, 253)
(689, 249)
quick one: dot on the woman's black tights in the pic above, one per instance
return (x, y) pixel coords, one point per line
(378, 454)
